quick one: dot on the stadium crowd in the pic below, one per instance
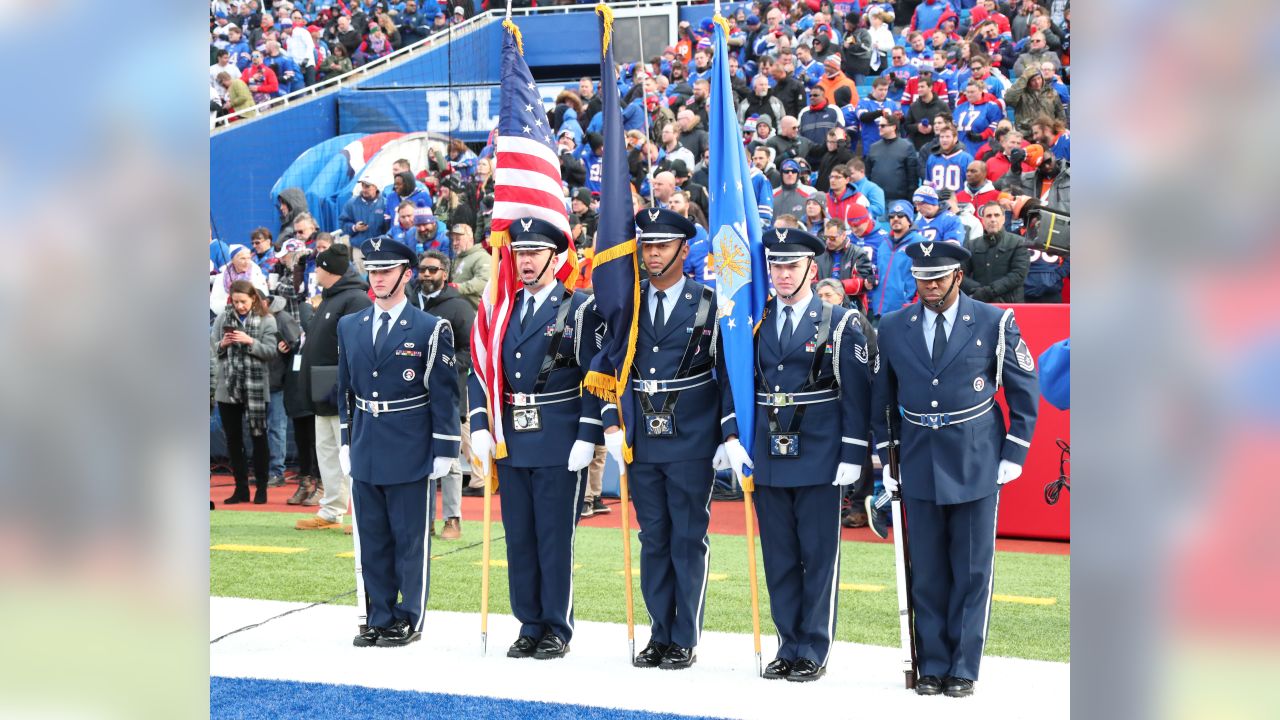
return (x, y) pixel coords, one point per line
(873, 125)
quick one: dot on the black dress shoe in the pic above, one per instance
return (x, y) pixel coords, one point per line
(523, 647)
(678, 658)
(928, 685)
(957, 687)
(400, 633)
(651, 655)
(777, 669)
(806, 670)
(551, 647)
(367, 637)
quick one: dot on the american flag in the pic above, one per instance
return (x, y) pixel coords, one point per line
(526, 184)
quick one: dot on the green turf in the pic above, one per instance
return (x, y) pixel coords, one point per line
(1029, 631)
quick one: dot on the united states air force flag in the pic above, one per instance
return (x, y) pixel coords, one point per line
(741, 277)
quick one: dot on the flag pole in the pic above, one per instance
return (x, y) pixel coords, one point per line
(644, 96)
(492, 469)
(623, 490)
(748, 507)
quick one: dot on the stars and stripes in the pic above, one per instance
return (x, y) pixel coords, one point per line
(526, 184)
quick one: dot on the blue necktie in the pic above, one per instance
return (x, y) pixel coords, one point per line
(660, 313)
(380, 338)
(528, 314)
(784, 339)
(939, 339)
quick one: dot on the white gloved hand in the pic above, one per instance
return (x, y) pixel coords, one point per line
(613, 443)
(1008, 472)
(581, 455)
(440, 467)
(482, 446)
(890, 482)
(738, 457)
(344, 459)
(720, 461)
(847, 474)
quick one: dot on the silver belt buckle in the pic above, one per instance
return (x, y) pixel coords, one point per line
(373, 407)
(780, 399)
(933, 420)
(521, 399)
(649, 387)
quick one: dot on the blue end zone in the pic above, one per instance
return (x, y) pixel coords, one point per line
(275, 699)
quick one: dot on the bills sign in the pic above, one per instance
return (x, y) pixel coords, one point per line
(465, 112)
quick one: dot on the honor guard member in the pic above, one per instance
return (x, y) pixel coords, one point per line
(941, 361)
(675, 432)
(812, 395)
(398, 402)
(551, 430)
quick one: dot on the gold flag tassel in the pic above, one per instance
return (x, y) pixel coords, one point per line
(512, 28)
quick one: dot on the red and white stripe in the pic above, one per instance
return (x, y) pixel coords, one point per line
(527, 184)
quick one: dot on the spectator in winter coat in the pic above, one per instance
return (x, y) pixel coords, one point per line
(290, 203)
(816, 120)
(243, 341)
(787, 143)
(261, 80)
(1030, 99)
(239, 97)
(997, 268)
(363, 217)
(892, 163)
(471, 266)
(430, 233)
(837, 153)
(833, 78)
(241, 267)
(290, 77)
(872, 107)
(920, 115)
(790, 197)
(1037, 53)
(873, 192)
(404, 188)
(264, 255)
(842, 196)
(895, 286)
(761, 102)
(787, 89)
(977, 190)
(403, 230)
(344, 293)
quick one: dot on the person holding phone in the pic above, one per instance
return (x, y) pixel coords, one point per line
(244, 343)
(362, 217)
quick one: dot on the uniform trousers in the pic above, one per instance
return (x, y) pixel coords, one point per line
(540, 510)
(673, 507)
(800, 541)
(392, 527)
(952, 562)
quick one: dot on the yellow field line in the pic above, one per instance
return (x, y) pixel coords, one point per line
(1024, 600)
(861, 587)
(257, 548)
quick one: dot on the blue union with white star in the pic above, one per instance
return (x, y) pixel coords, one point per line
(521, 114)
(741, 281)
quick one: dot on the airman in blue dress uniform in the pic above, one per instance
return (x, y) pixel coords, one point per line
(674, 430)
(398, 400)
(813, 392)
(941, 361)
(552, 336)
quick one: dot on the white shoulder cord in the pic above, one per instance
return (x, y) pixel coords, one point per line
(1008, 315)
(835, 346)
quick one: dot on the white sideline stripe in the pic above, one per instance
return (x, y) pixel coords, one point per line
(315, 646)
